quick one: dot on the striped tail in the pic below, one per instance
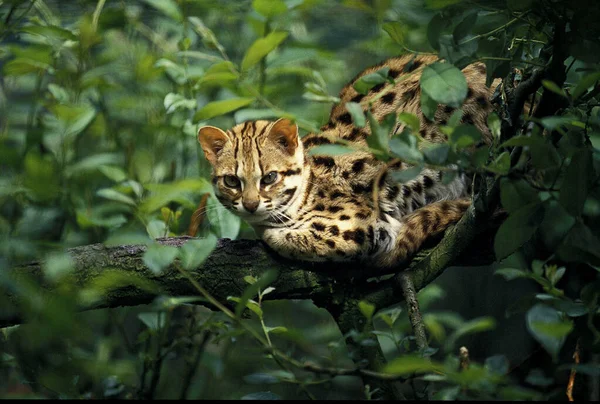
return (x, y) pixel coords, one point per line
(422, 224)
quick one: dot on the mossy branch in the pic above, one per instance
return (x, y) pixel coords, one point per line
(333, 287)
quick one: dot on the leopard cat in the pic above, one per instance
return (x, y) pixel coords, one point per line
(344, 207)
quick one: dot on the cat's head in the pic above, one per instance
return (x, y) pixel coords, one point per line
(257, 167)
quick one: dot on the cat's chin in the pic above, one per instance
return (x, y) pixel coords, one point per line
(253, 218)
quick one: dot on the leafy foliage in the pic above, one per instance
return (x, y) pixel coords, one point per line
(101, 102)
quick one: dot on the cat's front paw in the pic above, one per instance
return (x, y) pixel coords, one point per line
(275, 239)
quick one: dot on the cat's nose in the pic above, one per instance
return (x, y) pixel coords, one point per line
(251, 205)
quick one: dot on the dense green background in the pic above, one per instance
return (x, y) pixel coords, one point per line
(99, 106)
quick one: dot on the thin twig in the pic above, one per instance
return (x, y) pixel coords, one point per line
(463, 356)
(312, 367)
(414, 314)
(192, 365)
(198, 216)
(573, 373)
(158, 360)
(96, 15)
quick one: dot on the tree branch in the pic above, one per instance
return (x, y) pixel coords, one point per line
(223, 271)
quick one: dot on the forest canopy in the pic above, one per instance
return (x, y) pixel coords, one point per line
(100, 105)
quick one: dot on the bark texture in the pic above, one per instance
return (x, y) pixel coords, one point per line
(336, 288)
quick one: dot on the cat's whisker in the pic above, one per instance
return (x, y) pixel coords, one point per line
(206, 210)
(278, 216)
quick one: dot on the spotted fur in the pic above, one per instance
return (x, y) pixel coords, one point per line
(344, 207)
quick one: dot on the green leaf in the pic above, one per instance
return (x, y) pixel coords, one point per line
(21, 66)
(552, 86)
(517, 229)
(217, 108)
(167, 7)
(464, 135)
(368, 81)
(428, 106)
(114, 173)
(493, 123)
(272, 377)
(173, 102)
(557, 276)
(436, 4)
(589, 369)
(519, 5)
(523, 141)
(444, 83)
(511, 273)
(356, 111)
(330, 150)
(396, 31)
(255, 308)
(517, 393)
(367, 309)
(217, 78)
(154, 321)
(501, 165)
(162, 194)
(50, 31)
(547, 326)
(269, 8)
(57, 265)
(556, 122)
(576, 182)
(158, 257)
(411, 120)
(455, 118)
(544, 156)
(405, 147)
(379, 138)
(261, 48)
(75, 118)
(173, 302)
(446, 394)
(409, 364)
(276, 330)
(41, 177)
(261, 395)
(434, 29)
(267, 291)
(537, 377)
(515, 193)
(194, 252)
(470, 327)
(497, 364)
(59, 93)
(585, 83)
(250, 280)
(437, 154)
(92, 163)
(97, 288)
(403, 176)
(580, 245)
(224, 223)
(465, 27)
(265, 279)
(113, 195)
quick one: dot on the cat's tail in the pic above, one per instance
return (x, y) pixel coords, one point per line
(422, 224)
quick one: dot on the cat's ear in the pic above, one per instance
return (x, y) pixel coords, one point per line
(285, 133)
(212, 140)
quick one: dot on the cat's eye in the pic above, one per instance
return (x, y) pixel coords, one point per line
(231, 181)
(269, 178)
